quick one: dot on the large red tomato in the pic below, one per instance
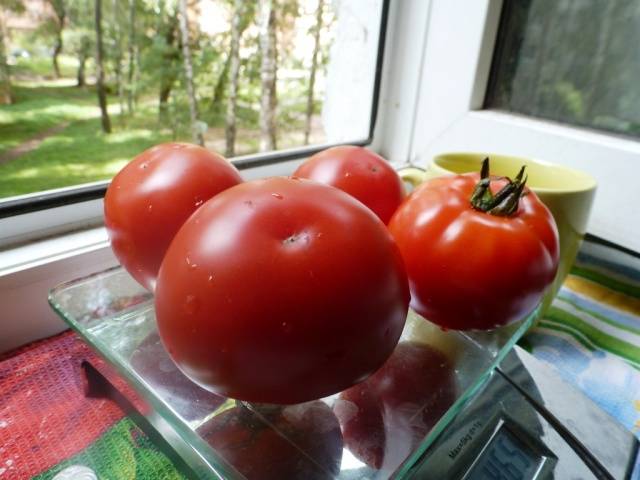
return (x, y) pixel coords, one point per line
(359, 172)
(476, 263)
(385, 417)
(298, 442)
(151, 197)
(281, 291)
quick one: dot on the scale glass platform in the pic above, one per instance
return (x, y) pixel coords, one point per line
(461, 405)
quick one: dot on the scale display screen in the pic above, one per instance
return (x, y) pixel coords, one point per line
(506, 457)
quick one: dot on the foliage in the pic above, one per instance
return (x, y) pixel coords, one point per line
(143, 55)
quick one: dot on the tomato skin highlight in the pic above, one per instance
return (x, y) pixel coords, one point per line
(469, 270)
(152, 196)
(361, 173)
(281, 291)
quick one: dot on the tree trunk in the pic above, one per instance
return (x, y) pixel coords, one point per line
(83, 53)
(268, 75)
(59, 8)
(131, 86)
(232, 99)
(5, 75)
(167, 71)
(102, 95)
(221, 83)
(118, 59)
(57, 49)
(312, 73)
(188, 73)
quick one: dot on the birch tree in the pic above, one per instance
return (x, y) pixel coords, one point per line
(312, 73)
(117, 60)
(83, 53)
(5, 76)
(102, 94)
(169, 58)
(268, 75)
(234, 70)
(60, 12)
(132, 49)
(188, 73)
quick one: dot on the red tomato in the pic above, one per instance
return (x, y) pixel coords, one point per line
(468, 268)
(298, 442)
(281, 291)
(385, 417)
(359, 172)
(151, 197)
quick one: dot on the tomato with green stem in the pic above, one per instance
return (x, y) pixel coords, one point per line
(479, 251)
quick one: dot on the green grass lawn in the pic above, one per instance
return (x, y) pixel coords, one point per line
(80, 153)
(42, 67)
(37, 108)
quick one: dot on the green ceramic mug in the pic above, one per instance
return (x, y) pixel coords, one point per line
(566, 192)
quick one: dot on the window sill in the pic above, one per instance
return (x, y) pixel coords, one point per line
(29, 271)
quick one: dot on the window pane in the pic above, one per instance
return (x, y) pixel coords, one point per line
(303, 75)
(573, 61)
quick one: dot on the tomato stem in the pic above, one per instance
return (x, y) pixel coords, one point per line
(505, 202)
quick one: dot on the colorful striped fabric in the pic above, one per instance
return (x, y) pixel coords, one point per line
(591, 333)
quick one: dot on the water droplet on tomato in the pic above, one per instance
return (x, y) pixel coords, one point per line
(277, 195)
(190, 263)
(149, 208)
(348, 174)
(286, 327)
(199, 202)
(210, 279)
(191, 304)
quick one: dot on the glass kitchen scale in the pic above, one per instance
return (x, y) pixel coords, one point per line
(456, 405)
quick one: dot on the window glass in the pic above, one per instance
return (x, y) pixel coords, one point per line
(572, 61)
(77, 101)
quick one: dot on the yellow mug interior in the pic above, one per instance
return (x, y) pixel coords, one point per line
(543, 177)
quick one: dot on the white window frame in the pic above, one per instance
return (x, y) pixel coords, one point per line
(449, 116)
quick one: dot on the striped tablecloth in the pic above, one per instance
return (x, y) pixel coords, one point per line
(591, 333)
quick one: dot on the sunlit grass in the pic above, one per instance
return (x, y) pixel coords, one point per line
(81, 153)
(37, 109)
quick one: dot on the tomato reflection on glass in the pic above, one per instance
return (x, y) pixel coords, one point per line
(296, 442)
(385, 417)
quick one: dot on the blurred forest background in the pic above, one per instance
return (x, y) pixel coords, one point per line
(87, 84)
(573, 61)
